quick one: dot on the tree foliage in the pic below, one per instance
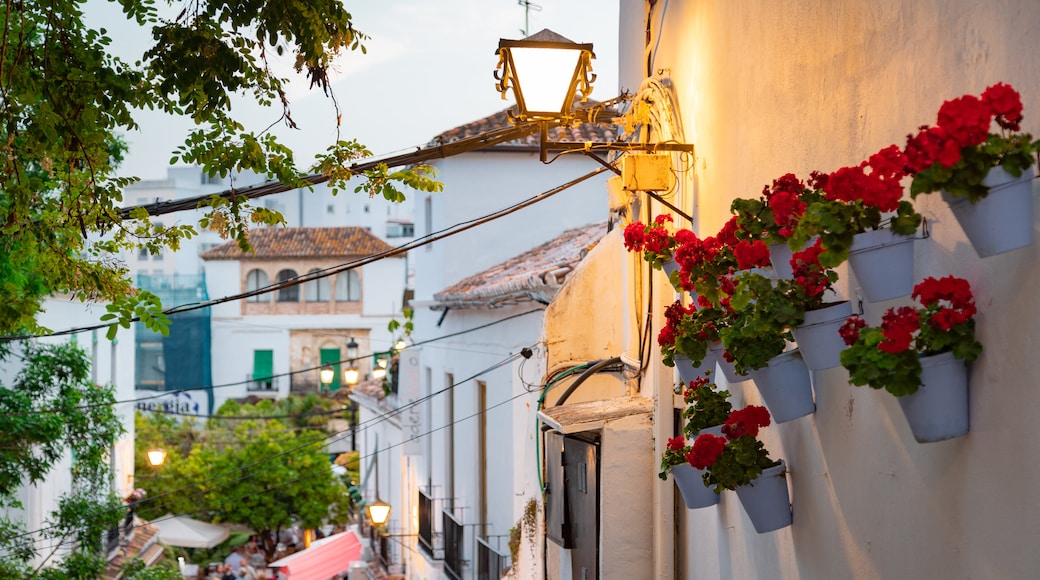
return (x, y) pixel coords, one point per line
(264, 473)
(33, 442)
(66, 100)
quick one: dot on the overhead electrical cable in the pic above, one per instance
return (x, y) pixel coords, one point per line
(324, 273)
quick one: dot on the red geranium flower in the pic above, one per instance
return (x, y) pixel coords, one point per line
(706, 450)
(751, 254)
(931, 145)
(898, 328)
(849, 331)
(966, 120)
(1006, 104)
(676, 443)
(746, 421)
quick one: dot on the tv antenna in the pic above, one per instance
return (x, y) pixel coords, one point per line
(528, 7)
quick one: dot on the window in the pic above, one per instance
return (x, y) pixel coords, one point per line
(255, 280)
(331, 357)
(263, 368)
(316, 290)
(400, 230)
(348, 287)
(330, 209)
(290, 293)
(482, 450)
(142, 254)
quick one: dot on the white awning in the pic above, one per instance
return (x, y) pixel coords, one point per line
(188, 533)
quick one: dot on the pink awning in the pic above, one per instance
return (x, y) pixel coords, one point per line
(323, 559)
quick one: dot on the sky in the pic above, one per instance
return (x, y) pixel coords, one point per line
(429, 68)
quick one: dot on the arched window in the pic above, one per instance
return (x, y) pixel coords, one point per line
(316, 290)
(290, 294)
(348, 287)
(255, 280)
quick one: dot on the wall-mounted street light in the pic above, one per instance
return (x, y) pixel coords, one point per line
(544, 71)
(378, 512)
(400, 345)
(156, 457)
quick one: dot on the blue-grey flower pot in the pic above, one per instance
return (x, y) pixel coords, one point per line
(818, 338)
(766, 500)
(785, 387)
(884, 264)
(691, 485)
(939, 409)
(1003, 220)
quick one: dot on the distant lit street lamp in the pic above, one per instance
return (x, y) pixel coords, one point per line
(326, 375)
(351, 374)
(156, 457)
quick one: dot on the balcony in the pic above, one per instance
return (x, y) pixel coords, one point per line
(453, 546)
(490, 562)
(426, 524)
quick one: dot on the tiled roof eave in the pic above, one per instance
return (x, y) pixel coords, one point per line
(491, 303)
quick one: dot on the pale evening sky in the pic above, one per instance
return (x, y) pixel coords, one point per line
(428, 69)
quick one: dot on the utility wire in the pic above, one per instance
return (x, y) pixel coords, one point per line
(237, 383)
(248, 469)
(324, 273)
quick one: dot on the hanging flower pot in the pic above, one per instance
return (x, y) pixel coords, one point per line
(938, 410)
(780, 257)
(728, 370)
(688, 372)
(670, 266)
(766, 500)
(691, 485)
(817, 337)
(884, 264)
(1003, 220)
(785, 387)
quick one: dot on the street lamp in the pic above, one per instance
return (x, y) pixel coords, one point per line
(400, 345)
(156, 457)
(544, 71)
(378, 512)
(351, 374)
(326, 375)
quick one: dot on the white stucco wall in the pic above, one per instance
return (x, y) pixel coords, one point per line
(796, 86)
(476, 184)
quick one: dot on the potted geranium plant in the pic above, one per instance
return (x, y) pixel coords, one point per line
(702, 262)
(855, 200)
(762, 312)
(913, 341)
(739, 461)
(706, 406)
(773, 216)
(653, 240)
(961, 158)
(688, 330)
(821, 315)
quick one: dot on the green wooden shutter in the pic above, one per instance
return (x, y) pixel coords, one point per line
(330, 356)
(263, 366)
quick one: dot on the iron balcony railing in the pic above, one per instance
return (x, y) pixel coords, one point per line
(426, 524)
(490, 562)
(453, 537)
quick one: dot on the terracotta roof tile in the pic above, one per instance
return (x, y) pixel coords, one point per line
(278, 242)
(534, 275)
(598, 133)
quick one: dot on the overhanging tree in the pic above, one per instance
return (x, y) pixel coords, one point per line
(32, 442)
(65, 101)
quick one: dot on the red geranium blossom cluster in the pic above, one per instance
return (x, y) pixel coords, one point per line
(751, 254)
(808, 272)
(849, 331)
(746, 421)
(673, 316)
(880, 188)
(959, 305)
(676, 443)
(706, 450)
(963, 122)
(654, 240)
(785, 200)
(898, 327)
